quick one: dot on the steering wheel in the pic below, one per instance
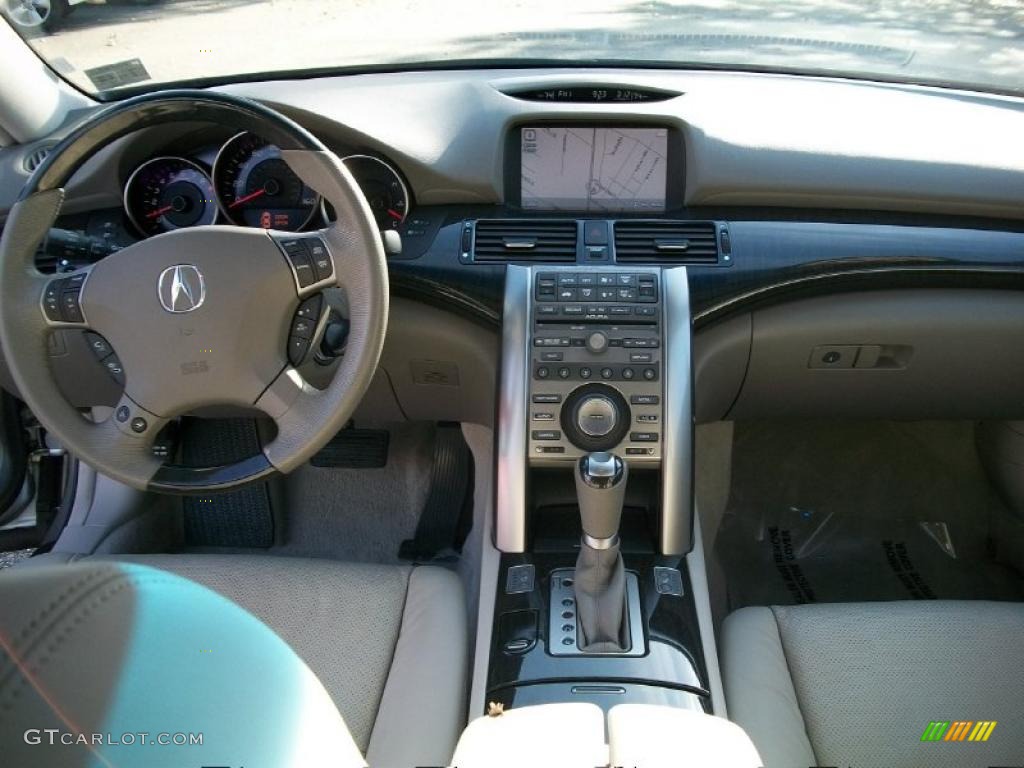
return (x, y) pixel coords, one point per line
(197, 317)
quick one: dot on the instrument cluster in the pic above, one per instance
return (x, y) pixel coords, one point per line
(249, 184)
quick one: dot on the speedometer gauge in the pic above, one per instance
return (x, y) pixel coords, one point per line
(256, 188)
(168, 193)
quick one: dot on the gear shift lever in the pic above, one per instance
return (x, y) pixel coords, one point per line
(600, 579)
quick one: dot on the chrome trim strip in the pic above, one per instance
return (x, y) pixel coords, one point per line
(676, 536)
(510, 488)
(600, 544)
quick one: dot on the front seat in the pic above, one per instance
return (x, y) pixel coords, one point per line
(388, 643)
(862, 684)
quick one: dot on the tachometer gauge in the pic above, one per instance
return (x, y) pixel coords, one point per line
(168, 193)
(383, 188)
(256, 188)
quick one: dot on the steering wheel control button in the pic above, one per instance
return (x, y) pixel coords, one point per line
(297, 349)
(122, 414)
(298, 256)
(114, 368)
(99, 346)
(303, 328)
(139, 425)
(51, 300)
(310, 308)
(318, 254)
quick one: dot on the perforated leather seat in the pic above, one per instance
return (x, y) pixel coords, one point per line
(388, 643)
(859, 684)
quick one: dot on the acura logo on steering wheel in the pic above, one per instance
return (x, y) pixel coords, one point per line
(181, 288)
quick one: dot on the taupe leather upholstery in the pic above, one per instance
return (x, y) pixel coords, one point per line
(388, 643)
(858, 684)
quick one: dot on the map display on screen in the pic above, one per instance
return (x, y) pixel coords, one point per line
(593, 169)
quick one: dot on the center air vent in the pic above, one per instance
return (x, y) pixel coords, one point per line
(666, 242)
(525, 240)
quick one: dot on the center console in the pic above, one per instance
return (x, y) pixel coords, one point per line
(595, 601)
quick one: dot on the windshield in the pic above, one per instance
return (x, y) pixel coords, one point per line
(106, 45)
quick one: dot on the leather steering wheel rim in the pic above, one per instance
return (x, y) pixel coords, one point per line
(230, 348)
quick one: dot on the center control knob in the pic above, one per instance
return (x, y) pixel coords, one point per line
(597, 342)
(596, 416)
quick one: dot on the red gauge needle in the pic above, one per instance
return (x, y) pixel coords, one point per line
(159, 212)
(247, 198)
(394, 214)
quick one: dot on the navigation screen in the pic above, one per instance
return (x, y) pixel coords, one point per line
(593, 169)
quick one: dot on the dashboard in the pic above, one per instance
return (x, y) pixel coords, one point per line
(762, 199)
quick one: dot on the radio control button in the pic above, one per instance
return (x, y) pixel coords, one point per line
(628, 373)
(606, 373)
(597, 342)
(650, 374)
(543, 372)
(547, 398)
(643, 399)
(564, 373)
(546, 434)
(585, 373)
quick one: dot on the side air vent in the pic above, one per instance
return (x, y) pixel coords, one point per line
(35, 158)
(666, 242)
(525, 240)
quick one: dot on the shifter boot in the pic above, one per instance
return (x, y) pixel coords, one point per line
(600, 583)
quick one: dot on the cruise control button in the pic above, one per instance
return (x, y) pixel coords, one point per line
(114, 368)
(99, 346)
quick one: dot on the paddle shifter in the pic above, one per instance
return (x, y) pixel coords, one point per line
(600, 579)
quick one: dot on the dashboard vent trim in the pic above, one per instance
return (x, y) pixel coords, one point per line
(658, 241)
(547, 241)
(34, 159)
